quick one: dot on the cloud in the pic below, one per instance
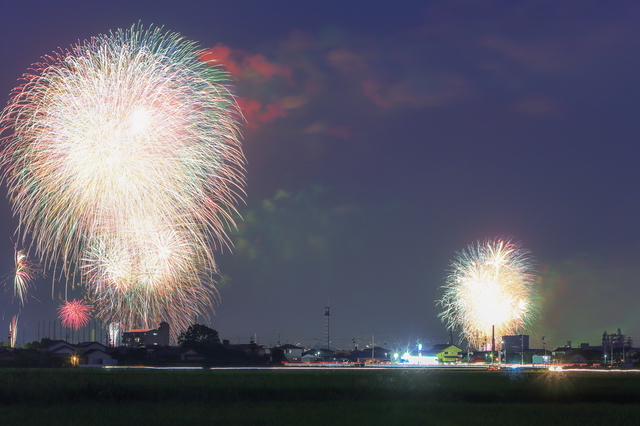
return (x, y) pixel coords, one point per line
(409, 94)
(253, 73)
(557, 50)
(538, 105)
(256, 113)
(245, 65)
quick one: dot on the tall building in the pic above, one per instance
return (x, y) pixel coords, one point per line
(144, 338)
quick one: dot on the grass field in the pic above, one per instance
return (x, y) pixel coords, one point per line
(316, 397)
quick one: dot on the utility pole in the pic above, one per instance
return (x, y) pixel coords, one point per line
(327, 314)
(493, 343)
(373, 347)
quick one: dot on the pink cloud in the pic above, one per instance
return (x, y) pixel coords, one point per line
(341, 132)
(256, 113)
(245, 65)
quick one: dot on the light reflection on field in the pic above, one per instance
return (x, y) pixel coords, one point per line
(460, 367)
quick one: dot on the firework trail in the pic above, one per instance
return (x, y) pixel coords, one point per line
(24, 273)
(74, 314)
(114, 333)
(125, 164)
(489, 286)
(13, 331)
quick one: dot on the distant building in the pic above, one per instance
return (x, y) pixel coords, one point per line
(447, 353)
(147, 338)
(373, 355)
(7, 354)
(615, 347)
(87, 346)
(518, 343)
(93, 353)
(176, 353)
(58, 348)
(252, 348)
(291, 352)
(96, 357)
(585, 354)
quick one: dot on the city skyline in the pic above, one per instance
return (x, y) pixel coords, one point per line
(381, 141)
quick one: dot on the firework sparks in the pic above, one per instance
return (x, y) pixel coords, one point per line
(114, 333)
(74, 314)
(489, 288)
(13, 331)
(124, 162)
(24, 273)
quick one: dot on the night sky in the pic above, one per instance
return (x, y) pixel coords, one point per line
(383, 137)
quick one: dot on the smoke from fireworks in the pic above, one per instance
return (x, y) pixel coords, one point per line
(74, 314)
(490, 286)
(123, 164)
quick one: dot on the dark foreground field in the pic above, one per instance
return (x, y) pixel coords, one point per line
(323, 397)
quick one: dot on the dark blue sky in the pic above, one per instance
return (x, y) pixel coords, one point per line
(382, 139)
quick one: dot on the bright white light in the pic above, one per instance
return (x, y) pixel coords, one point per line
(140, 121)
(419, 359)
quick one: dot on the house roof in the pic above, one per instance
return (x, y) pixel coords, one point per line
(55, 345)
(86, 344)
(289, 346)
(442, 346)
(51, 343)
(93, 351)
(6, 353)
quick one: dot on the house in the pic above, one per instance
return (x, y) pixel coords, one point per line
(438, 354)
(313, 355)
(310, 357)
(96, 357)
(446, 353)
(373, 355)
(20, 357)
(252, 348)
(291, 352)
(584, 355)
(58, 348)
(87, 346)
(7, 354)
(147, 338)
(176, 353)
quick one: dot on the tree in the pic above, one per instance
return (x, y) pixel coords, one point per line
(33, 345)
(199, 336)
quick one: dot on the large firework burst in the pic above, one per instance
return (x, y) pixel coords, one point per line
(124, 163)
(489, 288)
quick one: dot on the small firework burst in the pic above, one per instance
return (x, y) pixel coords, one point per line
(74, 314)
(25, 272)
